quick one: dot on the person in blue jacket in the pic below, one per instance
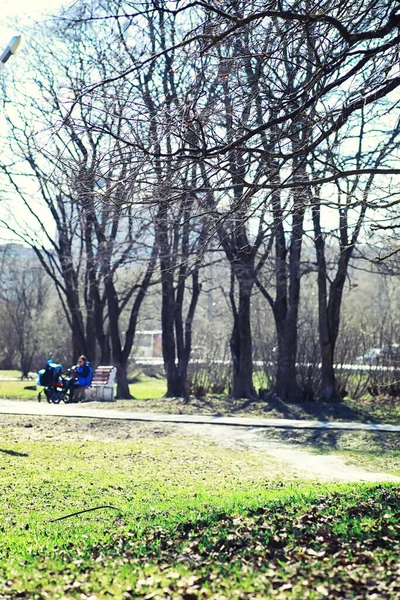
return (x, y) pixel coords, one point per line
(82, 376)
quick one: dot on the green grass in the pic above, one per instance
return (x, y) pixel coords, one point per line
(149, 387)
(193, 521)
(11, 373)
(15, 390)
(374, 460)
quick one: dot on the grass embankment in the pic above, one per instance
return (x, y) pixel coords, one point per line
(192, 521)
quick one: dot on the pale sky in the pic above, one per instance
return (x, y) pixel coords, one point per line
(24, 10)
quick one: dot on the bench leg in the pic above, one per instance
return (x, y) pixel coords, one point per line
(108, 393)
(90, 394)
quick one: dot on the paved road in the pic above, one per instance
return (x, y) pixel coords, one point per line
(14, 407)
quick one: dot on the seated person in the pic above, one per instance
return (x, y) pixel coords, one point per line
(82, 375)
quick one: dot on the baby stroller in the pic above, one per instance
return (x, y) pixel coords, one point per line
(54, 383)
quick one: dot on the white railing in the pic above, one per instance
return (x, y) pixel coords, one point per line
(154, 361)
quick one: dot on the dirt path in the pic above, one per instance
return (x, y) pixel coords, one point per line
(323, 467)
(304, 461)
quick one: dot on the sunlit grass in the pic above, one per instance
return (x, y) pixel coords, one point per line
(13, 374)
(190, 520)
(149, 387)
(15, 390)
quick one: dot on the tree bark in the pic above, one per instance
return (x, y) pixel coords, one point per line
(241, 340)
(123, 391)
(242, 384)
(285, 307)
(329, 306)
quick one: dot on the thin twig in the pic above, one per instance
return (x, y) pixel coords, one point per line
(80, 512)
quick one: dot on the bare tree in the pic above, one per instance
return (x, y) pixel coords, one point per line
(353, 203)
(23, 290)
(86, 182)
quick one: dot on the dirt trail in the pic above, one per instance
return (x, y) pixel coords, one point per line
(324, 467)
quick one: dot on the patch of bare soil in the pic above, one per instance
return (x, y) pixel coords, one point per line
(34, 428)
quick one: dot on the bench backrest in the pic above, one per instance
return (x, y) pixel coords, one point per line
(104, 376)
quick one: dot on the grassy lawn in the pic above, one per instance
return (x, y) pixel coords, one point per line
(149, 387)
(15, 390)
(190, 520)
(12, 374)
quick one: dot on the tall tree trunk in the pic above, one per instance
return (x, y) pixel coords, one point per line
(285, 307)
(105, 350)
(177, 331)
(329, 391)
(329, 320)
(175, 386)
(286, 386)
(241, 341)
(78, 345)
(123, 391)
(118, 362)
(328, 314)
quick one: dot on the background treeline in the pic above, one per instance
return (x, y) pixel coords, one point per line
(224, 173)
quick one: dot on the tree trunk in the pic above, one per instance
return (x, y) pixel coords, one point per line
(168, 333)
(241, 344)
(327, 345)
(286, 386)
(170, 314)
(328, 312)
(329, 391)
(123, 392)
(105, 351)
(286, 307)
(78, 347)
(118, 362)
(176, 384)
(287, 318)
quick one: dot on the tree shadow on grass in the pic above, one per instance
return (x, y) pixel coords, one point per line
(316, 411)
(13, 452)
(323, 411)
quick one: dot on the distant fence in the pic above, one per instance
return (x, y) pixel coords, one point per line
(152, 361)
